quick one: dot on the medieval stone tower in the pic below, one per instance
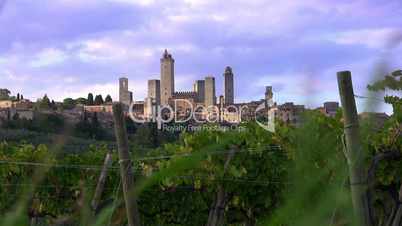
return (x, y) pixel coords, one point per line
(154, 90)
(210, 95)
(199, 88)
(268, 93)
(167, 77)
(268, 96)
(125, 96)
(228, 86)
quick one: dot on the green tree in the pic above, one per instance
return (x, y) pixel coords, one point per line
(98, 100)
(44, 103)
(90, 99)
(385, 147)
(108, 99)
(69, 103)
(91, 128)
(241, 174)
(81, 100)
(4, 94)
(391, 82)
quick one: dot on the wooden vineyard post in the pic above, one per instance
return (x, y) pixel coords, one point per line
(353, 149)
(398, 216)
(216, 213)
(101, 182)
(126, 171)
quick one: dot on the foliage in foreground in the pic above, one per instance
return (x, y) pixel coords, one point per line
(296, 176)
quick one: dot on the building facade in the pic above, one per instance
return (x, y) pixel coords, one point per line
(228, 86)
(330, 108)
(6, 104)
(183, 104)
(199, 88)
(125, 96)
(107, 108)
(290, 113)
(167, 78)
(4, 94)
(20, 104)
(210, 94)
(154, 90)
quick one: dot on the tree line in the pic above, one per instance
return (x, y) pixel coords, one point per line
(70, 103)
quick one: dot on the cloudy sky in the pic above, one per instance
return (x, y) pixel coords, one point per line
(67, 48)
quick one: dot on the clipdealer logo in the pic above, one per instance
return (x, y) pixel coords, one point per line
(212, 114)
(269, 125)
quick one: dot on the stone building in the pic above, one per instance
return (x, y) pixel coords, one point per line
(167, 77)
(231, 115)
(154, 90)
(138, 110)
(12, 108)
(183, 103)
(153, 98)
(210, 95)
(10, 113)
(290, 113)
(228, 86)
(20, 104)
(248, 111)
(221, 105)
(6, 104)
(199, 88)
(187, 95)
(125, 96)
(106, 108)
(149, 108)
(22, 113)
(330, 108)
(4, 94)
(23, 104)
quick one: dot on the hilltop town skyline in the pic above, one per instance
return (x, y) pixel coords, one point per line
(184, 86)
(200, 112)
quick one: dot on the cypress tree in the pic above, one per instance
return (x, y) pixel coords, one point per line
(98, 100)
(108, 99)
(90, 99)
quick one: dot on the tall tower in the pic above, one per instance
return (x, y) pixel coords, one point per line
(269, 96)
(125, 96)
(268, 93)
(221, 108)
(167, 77)
(199, 88)
(154, 90)
(210, 96)
(228, 86)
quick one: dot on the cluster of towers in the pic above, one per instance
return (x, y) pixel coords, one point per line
(162, 92)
